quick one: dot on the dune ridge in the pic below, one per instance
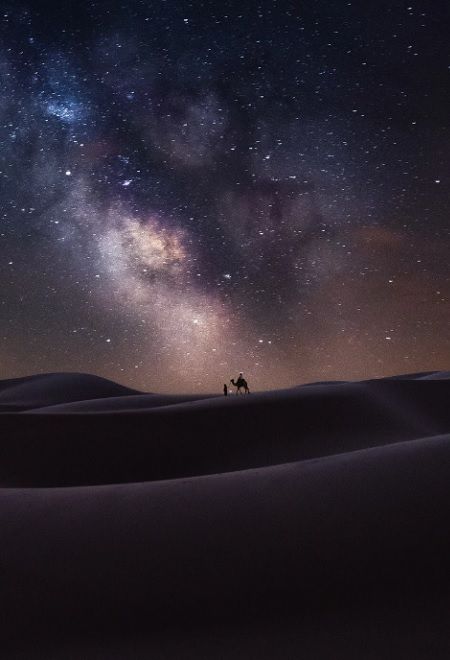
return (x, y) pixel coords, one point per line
(130, 516)
(42, 390)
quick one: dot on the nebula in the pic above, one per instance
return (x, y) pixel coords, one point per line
(188, 195)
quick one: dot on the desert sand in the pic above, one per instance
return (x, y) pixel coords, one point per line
(311, 522)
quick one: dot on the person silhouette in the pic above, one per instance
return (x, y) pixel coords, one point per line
(225, 389)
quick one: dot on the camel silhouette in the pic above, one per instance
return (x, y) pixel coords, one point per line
(241, 382)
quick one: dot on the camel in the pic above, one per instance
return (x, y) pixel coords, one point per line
(241, 382)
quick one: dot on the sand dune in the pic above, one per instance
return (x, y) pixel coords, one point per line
(436, 375)
(49, 389)
(309, 522)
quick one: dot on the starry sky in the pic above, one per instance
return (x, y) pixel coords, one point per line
(193, 189)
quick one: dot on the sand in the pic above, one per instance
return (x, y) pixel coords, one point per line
(303, 523)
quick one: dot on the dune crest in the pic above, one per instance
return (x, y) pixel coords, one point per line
(253, 518)
(49, 389)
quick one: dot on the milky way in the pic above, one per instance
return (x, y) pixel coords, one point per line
(193, 189)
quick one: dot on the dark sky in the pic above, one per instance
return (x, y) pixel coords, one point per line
(193, 189)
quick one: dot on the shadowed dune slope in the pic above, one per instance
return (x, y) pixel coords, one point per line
(297, 523)
(49, 389)
(362, 527)
(151, 437)
(126, 403)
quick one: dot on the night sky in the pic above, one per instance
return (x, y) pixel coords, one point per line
(193, 189)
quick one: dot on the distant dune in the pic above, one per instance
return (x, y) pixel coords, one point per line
(50, 389)
(309, 523)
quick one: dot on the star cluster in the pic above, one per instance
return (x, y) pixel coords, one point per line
(193, 189)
